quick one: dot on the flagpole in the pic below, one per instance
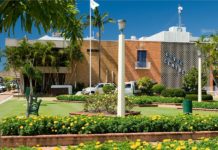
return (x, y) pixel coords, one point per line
(90, 48)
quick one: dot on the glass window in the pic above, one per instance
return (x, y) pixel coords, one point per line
(141, 58)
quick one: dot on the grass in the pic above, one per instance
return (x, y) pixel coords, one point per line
(17, 106)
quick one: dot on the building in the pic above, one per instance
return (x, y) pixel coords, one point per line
(165, 57)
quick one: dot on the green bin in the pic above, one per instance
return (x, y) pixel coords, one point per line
(187, 106)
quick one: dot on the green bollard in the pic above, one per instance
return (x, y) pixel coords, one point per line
(187, 106)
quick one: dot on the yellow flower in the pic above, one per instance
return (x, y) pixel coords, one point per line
(172, 145)
(83, 128)
(97, 143)
(110, 141)
(145, 143)
(63, 126)
(138, 140)
(81, 144)
(206, 139)
(207, 148)
(21, 127)
(159, 146)
(39, 148)
(134, 146)
(194, 148)
(30, 124)
(71, 124)
(55, 122)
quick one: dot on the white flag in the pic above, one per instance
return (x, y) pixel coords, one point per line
(93, 4)
(180, 9)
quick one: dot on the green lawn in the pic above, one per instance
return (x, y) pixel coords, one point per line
(18, 106)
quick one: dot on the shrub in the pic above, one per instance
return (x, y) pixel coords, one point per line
(145, 84)
(206, 105)
(102, 124)
(104, 102)
(108, 89)
(173, 93)
(158, 88)
(152, 99)
(71, 97)
(194, 97)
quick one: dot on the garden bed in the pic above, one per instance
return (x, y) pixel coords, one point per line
(129, 113)
(74, 139)
(201, 109)
(67, 101)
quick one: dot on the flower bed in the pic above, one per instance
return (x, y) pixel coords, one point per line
(203, 144)
(100, 124)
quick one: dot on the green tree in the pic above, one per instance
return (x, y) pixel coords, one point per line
(208, 46)
(61, 15)
(190, 80)
(98, 21)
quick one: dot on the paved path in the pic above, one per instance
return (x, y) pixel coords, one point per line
(5, 96)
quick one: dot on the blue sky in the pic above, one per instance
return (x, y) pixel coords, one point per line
(146, 17)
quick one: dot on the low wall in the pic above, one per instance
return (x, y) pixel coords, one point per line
(73, 139)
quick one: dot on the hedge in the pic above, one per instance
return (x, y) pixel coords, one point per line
(151, 99)
(206, 105)
(194, 97)
(72, 97)
(101, 124)
(173, 93)
(201, 144)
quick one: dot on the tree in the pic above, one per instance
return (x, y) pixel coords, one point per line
(99, 21)
(208, 46)
(190, 80)
(61, 15)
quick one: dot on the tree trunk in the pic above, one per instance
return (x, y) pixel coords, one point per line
(29, 99)
(99, 55)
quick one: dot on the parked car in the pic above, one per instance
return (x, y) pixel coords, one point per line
(131, 88)
(96, 89)
(2, 87)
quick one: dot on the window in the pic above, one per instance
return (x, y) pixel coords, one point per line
(141, 58)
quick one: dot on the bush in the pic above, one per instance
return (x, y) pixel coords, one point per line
(190, 80)
(108, 89)
(152, 99)
(102, 124)
(71, 97)
(206, 105)
(194, 97)
(158, 88)
(104, 103)
(145, 84)
(173, 93)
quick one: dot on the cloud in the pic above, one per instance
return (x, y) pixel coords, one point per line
(209, 31)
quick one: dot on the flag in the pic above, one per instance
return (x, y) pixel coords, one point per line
(93, 4)
(180, 9)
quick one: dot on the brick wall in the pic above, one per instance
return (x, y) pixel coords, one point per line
(109, 60)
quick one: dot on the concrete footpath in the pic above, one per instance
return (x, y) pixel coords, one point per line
(5, 96)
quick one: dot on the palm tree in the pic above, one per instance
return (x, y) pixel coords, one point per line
(99, 21)
(61, 15)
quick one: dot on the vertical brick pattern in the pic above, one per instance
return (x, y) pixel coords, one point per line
(109, 62)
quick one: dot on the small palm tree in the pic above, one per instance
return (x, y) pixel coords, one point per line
(99, 21)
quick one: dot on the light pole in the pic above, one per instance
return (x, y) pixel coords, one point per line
(121, 70)
(199, 77)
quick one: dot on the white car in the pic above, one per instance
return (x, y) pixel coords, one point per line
(96, 89)
(2, 87)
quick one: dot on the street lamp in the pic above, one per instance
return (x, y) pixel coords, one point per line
(199, 77)
(121, 70)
